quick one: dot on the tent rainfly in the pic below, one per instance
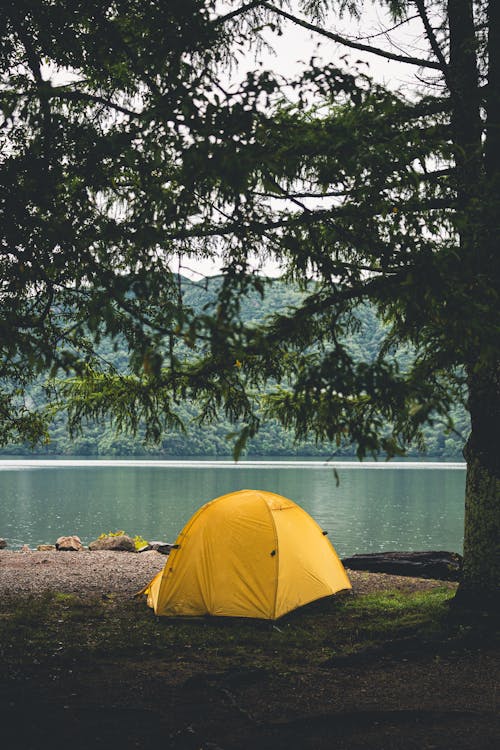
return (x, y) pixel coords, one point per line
(247, 554)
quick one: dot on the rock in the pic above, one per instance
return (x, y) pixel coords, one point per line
(3, 543)
(69, 544)
(122, 543)
(46, 547)
(25, 548)
(445, 566)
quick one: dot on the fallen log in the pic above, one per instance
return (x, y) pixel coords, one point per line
(445, 566)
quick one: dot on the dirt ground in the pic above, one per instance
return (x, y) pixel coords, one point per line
(101, 670)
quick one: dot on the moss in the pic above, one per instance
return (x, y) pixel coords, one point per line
(482, 530)
(138, 540)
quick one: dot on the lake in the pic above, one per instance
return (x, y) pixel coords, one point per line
(377, 506)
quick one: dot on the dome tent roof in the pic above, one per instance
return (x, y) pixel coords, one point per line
(249, 553)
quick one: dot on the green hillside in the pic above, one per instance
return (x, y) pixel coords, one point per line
(213, 440)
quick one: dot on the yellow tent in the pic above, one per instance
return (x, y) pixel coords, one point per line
(247, 554)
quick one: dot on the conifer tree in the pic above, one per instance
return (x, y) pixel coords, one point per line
(127, 155)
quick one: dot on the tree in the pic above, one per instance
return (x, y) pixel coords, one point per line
(144, 155)
(78, 260)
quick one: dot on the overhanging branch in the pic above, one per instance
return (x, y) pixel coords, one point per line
(305, 219)
(419, 62)
(63, 93)
(431, 36)
(238, 12)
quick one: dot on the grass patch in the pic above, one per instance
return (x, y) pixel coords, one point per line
(384, 615)
(62, 625)
(382, 620)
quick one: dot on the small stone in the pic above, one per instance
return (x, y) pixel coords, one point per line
(121, 543)
(46, 547)
(69, 544)
(3, 543)
(25, 548)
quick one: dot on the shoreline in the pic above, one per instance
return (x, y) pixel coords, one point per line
(93, 573)
(40, 462)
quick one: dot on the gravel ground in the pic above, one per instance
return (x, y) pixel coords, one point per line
(77, 572)
(126, 573)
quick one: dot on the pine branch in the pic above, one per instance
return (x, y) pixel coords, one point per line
(285, 195)
(71, 95)
(431, 36)
(419, 62)
(238, 12)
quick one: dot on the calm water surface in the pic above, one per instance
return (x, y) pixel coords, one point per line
(375, 507)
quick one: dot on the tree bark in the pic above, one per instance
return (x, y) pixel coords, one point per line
(480, 586)
(477, 188)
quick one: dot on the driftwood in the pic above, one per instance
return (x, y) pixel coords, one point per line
(162, 547)
(445, 566)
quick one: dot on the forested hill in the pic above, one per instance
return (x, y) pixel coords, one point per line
(212, 440)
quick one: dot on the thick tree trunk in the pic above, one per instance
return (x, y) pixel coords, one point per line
(480, 586)
(477, 190)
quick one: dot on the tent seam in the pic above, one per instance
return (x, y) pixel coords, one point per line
(277, 555)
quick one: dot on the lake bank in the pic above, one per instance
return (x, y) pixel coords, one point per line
(88, 573)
